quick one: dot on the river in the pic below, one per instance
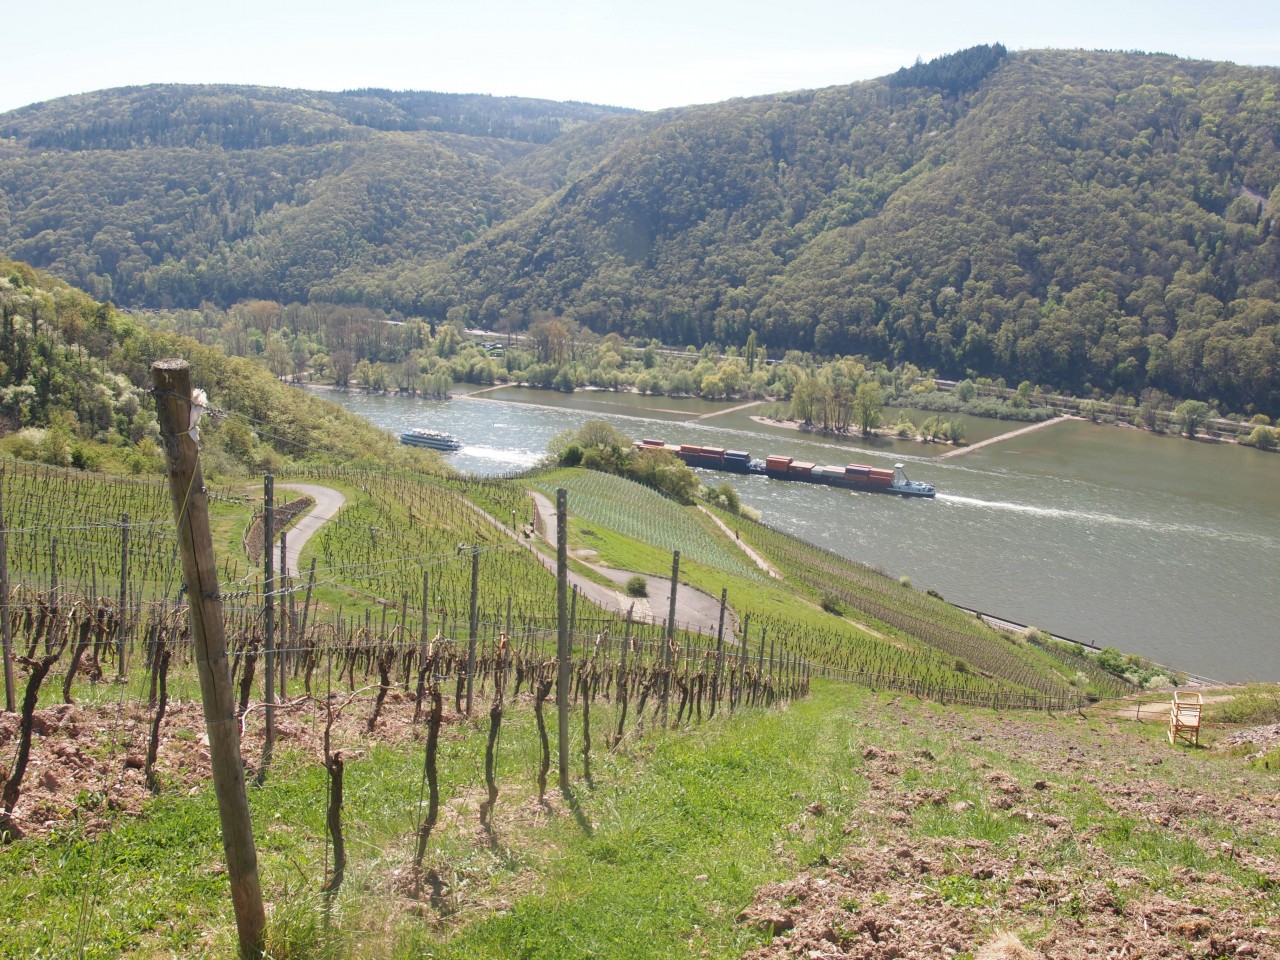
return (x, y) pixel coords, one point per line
(1156, 545)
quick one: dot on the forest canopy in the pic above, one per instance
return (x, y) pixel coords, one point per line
(1098, 222)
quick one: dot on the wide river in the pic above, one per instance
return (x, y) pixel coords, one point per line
(1155, 545)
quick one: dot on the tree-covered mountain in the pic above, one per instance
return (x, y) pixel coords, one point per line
(1092, 221)
(173, 195)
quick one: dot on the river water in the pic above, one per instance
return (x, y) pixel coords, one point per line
(1156, 545)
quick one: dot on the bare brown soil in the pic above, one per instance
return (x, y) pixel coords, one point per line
(895, 893)
(87, 761)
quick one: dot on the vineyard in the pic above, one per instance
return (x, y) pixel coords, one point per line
(887, 636)
(645, 516)
(972, 645)
(76, 532)
(420, 622)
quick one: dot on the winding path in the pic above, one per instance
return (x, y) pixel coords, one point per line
(759, 561)
(695, 610)
(328, 503)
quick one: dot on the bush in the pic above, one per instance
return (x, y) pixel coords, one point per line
(724, 496)
(1253, 708)
(832, 604)
(637, 586)
(1263, 437)
(572, 456)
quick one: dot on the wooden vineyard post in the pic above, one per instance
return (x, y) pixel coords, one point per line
(716, 677)
(286, 617)
(122, 618)
(269, 619)
(474, 624)
(6, 627)
(562, 640)
(171, 380)
(671, 636)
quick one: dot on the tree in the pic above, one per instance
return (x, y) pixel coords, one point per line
(1263, 437)
(751, 352)
(341, 364)
(1191, 415)
(277, 355)
(868, 405)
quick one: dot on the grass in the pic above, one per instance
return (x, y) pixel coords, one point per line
(644, 516)
(667, 846)
(660, 814)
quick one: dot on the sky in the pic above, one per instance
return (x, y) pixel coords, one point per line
(646, 54)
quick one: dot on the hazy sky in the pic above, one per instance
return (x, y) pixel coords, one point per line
(642, 53)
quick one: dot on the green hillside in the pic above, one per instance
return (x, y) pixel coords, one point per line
(74, 375)
(712, 800)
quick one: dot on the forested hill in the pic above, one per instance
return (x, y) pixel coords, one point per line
(1086, 220)
(174, 195)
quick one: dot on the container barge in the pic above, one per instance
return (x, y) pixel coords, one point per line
(855, 476)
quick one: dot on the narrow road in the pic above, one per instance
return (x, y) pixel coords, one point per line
(328, 503)
(961, 451)
(695, 610)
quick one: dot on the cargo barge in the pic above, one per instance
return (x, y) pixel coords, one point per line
(855, 476)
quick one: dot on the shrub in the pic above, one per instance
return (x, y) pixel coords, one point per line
(831, 604)
(637, 586)
(724, 496)
(1253, 707)
(1263, 437)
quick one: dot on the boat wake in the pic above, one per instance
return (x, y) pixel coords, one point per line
(1086, 516)
(517, 458)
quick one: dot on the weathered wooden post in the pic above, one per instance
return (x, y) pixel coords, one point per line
(671, 636)
(286, 617)
(563, 640)
(719, 669)
(171, 380)
(474, 624)
(123, 617)
(6, 628)
(269, 619)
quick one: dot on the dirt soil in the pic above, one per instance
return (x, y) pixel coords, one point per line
(87, 762)
(896, 892)
(1038, 802)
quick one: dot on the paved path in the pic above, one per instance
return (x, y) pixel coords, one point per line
(328, 503)
(695, 610)
(961, 451)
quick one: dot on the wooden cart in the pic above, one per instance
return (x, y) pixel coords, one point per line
(1184, 718)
